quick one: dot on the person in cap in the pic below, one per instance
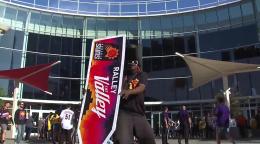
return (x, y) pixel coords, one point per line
(131, 118)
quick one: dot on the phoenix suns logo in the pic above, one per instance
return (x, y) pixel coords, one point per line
(111, 52)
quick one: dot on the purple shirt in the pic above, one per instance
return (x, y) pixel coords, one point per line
(165, 115)
(184, 117)
(222, 113)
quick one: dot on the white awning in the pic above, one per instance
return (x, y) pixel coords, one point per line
(205, 70)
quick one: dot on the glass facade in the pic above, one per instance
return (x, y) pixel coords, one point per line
(119, 7)
(228, 32)
(66, 49)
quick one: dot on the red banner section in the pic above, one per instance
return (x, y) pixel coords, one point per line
(35, 76)
(104, 79)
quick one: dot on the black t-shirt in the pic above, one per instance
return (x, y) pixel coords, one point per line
(4, 116)
(134, 103)
(20, 116)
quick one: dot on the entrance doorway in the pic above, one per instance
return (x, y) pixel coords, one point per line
(37, 114)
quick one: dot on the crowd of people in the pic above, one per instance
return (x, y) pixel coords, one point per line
(213, 125)
(58, 127)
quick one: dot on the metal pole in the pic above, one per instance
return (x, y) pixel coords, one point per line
(15, 101)
(225, 88)
(249, 108)
(152, 122)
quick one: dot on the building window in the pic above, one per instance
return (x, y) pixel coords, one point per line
(223, 17)
(247, 11)
(235, 15)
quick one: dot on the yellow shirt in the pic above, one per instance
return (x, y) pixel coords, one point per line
(55, 119)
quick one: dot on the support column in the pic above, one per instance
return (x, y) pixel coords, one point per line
(249, 107)
(139, 51)
(15, 101)
(84, 64)
(201, 110)
(152, 119)
(225, 88)
(197, 39)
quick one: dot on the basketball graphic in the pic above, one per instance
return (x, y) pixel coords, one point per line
(112, 52)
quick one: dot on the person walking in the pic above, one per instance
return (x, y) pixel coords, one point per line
(28, 127)
(20, 120)
(48, 125)
(222, 120)
(5, 117)
(56, 126)
(40, 128)
(241, 124)
(185, 125)
(67, 117)
(165, 125)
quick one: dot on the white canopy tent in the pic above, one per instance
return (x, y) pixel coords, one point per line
(205, 70)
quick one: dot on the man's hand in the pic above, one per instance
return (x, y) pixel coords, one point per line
(167, 125)
(125, 93)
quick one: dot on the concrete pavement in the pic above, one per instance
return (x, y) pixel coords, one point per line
(196, 141)
(158, 141)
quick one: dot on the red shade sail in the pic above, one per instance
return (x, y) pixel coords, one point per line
(35, 76)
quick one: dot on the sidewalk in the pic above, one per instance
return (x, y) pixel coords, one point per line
(196, 141)
(32, 141)
(158, 141)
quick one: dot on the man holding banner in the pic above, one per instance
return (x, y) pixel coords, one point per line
(131, 119)
(100, 105)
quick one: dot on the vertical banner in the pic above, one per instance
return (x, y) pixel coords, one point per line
(100, 105)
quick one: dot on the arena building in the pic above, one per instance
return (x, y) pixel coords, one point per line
(45, 31)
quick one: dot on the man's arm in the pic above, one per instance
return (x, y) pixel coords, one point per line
(137, 90)
(190, 122)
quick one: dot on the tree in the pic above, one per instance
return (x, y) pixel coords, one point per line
(2, 94)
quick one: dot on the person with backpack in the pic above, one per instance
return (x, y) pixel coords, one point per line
(222, 120)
